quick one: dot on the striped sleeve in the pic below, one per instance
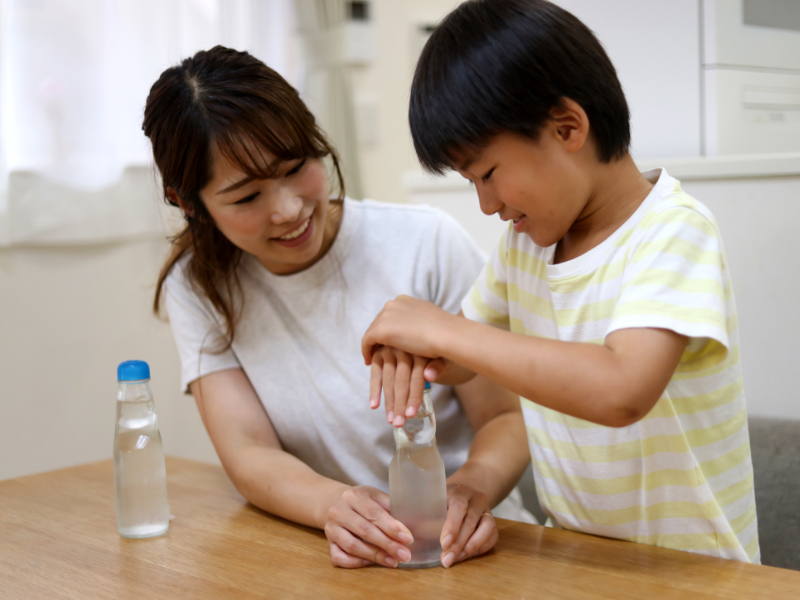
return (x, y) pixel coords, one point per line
(487, 301)
(675, 277)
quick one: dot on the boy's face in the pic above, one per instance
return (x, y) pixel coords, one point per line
(541, 185)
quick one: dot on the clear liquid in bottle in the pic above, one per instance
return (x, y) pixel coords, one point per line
(417, 486)
(140, 475)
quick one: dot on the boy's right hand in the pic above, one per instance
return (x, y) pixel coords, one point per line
(361, 531)
(402, 377)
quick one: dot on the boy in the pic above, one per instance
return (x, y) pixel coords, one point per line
(607, 305)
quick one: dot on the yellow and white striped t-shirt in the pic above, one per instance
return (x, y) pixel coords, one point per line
(682, 476)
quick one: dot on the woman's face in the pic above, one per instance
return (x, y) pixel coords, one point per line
(281, 221)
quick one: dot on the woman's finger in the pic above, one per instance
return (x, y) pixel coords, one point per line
(340, 558)
(355, 546)
(372, 534)
(389, 368)
(402, 380)
(375, 381)
(416, 386)
(374, 506)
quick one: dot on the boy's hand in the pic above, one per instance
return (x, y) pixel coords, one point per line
(361, 531)
(408, 324)
(470, 528)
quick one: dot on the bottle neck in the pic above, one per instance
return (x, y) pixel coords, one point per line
(419, 430)
(135, 391)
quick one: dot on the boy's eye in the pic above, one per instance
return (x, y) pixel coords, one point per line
(296, 168)
(247, 200)
(485, 178)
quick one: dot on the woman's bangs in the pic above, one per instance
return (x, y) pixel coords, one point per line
(258, 146)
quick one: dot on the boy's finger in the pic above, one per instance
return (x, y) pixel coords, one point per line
(482, 535)
(375, 379)
(456, 510)
(401, 385)
(435, 368)
(468, 527)
(417, 386)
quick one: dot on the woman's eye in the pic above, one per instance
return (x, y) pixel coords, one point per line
(485, 178)
(247, 200)
(297, 168)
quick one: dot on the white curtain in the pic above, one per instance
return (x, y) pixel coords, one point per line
(326, 83)
(74, 76)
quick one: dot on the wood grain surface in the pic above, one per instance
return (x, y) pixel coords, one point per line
(59, 539)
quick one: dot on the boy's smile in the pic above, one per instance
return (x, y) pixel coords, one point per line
(554, 188)
(534, 183)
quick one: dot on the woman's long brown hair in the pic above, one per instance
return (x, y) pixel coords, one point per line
(229, 101)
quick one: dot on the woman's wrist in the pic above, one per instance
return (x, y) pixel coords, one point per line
(327, 499)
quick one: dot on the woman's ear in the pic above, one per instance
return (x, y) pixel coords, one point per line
(180, 202)
(571, 124)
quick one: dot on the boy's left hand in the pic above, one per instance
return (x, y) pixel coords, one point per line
(408, 324)
(470, 529)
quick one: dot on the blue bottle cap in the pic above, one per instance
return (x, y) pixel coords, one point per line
(427, 385)
(133, 370)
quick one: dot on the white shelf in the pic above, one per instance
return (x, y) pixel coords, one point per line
(686, 169)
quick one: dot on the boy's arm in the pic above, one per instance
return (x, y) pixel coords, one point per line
(497, 458)
(615, 383)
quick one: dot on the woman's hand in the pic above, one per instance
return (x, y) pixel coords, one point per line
(470, 529)
(361, 531)
(402, 377)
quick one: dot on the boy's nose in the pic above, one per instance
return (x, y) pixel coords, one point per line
(489, 203)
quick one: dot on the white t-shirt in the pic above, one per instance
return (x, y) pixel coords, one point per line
(299, 337)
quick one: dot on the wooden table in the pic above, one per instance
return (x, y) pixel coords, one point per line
(58, 539)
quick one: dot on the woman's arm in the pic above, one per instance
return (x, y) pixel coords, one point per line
(356, 520)
(498, 456)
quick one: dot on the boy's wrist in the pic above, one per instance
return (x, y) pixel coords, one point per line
(446, 336)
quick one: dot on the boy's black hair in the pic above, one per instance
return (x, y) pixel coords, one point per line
(502, 65)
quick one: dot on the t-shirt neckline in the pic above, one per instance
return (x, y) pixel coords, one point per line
(591, 259)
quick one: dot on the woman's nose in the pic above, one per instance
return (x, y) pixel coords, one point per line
(287, 207)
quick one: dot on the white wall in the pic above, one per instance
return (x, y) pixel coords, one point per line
(68, 316)
(388, 81)
(655, 47)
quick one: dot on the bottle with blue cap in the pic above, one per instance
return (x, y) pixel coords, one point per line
(417, 485)
(140, 475)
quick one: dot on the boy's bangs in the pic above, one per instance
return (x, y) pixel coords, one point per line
(503, 65)
(258, 146)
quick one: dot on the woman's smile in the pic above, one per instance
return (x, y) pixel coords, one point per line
(297, 236)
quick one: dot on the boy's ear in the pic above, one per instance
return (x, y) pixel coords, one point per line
(177, 200)
(571, 124)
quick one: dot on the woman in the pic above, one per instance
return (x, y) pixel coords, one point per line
(269, 288)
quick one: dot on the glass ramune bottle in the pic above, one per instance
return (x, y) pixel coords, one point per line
(140, 475)
(417, 486)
